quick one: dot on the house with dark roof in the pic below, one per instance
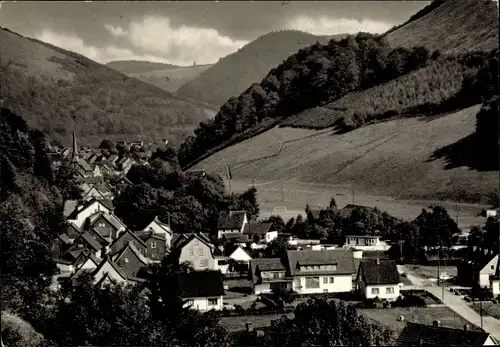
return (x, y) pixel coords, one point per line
(87, 209)
(156, 244)
(415, 334)
(61, 244)
(203, 290)
(126, 237)
(261, 231)
(231, 222)
(378, 279)
(96, 190)
(157, 227)
(130, 260)
(106, 224)
(269, 273)
(324, 271)
(86, 241)
(478, 268)
(195, 249)
(305, 272)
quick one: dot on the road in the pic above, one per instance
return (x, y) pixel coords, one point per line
(457, 304)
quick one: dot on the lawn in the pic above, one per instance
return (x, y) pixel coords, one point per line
(237, 287)
(431, 271)
(386, 160)
(424, 315)
(238, 323)
(489, 309)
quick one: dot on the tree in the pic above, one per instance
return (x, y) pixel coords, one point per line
(18, 333)
(247, 201)
(108, 145)
(333, 204)
(278, 223)
(65, 180)
(436, 227)
(319, 322)
(276, 248)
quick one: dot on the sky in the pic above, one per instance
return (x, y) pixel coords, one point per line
(181, 33)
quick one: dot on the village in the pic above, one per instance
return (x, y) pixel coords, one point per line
(230, 274)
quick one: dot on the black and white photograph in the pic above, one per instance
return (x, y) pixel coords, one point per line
(249, 173)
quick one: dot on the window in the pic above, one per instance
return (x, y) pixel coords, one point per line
(153, 244)
(375, 291)
(213, 301)
(203, 262)
(493, 267)
(325, 280)
(200, 251)
(312, 282)
(101, 225)
(196, 242)
(332, 279)
(191, 252)
(389, 290)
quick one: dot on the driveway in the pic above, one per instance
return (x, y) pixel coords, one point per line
(457, 304)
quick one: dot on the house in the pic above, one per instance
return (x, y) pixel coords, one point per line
(221, 263)
(325, 271)
(236, 237)
(124, 238)
(86, 241)
(61, 244)
(96, 235)
(156, 244)
(157, 227)
(267, 274)
(231, 222)
(378, 279)
(365, 242)
(121, 183)
(89, 208)
(97, 191)
(240, 255)
(106, 224)
(106, 272)
(69, 207)
(130, 260)
(260, 231)
(125, 163)
(195, 249)
(414, 334)
(204, 290)
(477, 268)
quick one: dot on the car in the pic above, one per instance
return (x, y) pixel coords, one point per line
(228, 306)
(444, 276)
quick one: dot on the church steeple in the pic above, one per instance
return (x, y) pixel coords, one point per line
(75, 148)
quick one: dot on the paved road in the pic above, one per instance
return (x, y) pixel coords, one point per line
(457, 304)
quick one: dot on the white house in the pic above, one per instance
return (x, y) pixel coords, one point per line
(305, 272)
(203, 290)
(378, 279)
(231, 222)
(261, 231)
(365, 242)
(158, 227)
(325, 271)
(240, 255)
(82, 212)
(487, 271)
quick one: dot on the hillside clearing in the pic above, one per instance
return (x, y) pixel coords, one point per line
(391, 159)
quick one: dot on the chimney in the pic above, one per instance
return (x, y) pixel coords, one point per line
(436, 323)
(378, 261)
(466, 327)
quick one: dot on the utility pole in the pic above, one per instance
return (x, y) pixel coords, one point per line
(481, 312)
(457, 212)
(282, 192)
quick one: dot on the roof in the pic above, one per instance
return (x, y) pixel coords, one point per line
(265, 264)
(430, 335)
(87, 204)
(183, 239)
(236, 236)
(201, 284)
(111, 218)
(127, 231)
(69, 207)
(231, 220)
(385, 272)
(105, 260)
(65, 238)
(90, 241)
(342, 258)
(137, 253)
(257, 228)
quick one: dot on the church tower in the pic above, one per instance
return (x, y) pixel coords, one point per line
(74, 155)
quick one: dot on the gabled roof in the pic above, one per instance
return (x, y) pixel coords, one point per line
(90, 241)
(101, 238)
(111, 218)
(86, 205)
(127, 232)
(134, 250)
(342, 258)
(201, 284)
(429, 335)
(83, 164)
(257, 228)
(183, 239)
(105, 260)
(69, 207)
(163, 226)
(371, 273)
(236, 236)
(231, 220)
(65, 238)
(265, 264)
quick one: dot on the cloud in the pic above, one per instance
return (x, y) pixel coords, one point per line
(181, 45)
(115, 30)
(100, 54)
(325, 25)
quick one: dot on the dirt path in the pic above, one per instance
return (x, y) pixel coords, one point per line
(457, 304)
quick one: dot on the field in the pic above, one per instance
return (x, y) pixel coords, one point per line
(386, 163)
(389, 317)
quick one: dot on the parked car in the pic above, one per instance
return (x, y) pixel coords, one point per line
(444, 276)
(228, 306)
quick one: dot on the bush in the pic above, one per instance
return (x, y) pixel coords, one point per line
(17, 332)
(410, 300)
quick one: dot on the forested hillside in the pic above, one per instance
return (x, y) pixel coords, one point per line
(232, 74)
(354, 81)
(138, 66)
(58, 92)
